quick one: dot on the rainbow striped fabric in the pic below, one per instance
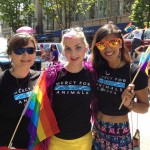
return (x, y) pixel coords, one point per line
(144, 60)
(128, 28)
(42, 120)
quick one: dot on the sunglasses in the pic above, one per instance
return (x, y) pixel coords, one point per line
(20, 51)
(77, 29)
(111, 43)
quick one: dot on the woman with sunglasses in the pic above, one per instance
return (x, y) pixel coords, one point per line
(113, 65)
(72, 87)
(16, 85)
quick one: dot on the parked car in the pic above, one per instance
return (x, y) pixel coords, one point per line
(5, 62)
(145, 40)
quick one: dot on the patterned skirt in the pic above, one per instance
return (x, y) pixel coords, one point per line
(111, 136)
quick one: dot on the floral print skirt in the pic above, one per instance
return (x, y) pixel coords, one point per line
(111, 136)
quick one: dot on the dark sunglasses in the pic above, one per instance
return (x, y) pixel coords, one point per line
(29, 50)
(77, 29)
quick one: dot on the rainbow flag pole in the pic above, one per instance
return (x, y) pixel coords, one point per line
(141, 65)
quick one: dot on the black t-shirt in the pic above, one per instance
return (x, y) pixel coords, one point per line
(110, 85)
(14, 94)
(72, 94)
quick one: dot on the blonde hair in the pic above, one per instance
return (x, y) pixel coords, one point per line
(74, 32)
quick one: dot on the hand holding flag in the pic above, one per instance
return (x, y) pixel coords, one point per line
(142, 66)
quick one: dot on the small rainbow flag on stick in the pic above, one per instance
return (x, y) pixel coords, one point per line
(42, 120)
(128, 28)
(143, 63)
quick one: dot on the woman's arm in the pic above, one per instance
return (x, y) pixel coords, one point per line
(137, 50)
(142, 103)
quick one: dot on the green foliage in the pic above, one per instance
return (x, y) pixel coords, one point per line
(127, 6)
(67, 9)
(16, 12)
(141, 12)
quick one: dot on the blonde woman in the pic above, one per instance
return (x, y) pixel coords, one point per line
(72, 88)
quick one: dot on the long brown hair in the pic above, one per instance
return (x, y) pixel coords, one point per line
(110, 28)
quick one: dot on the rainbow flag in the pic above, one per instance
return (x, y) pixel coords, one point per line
(128, 28)
(42, 120)
(144, 60)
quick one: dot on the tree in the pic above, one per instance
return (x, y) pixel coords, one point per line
(64, 11)
(127, 6)
(16, 12)
(141, 13)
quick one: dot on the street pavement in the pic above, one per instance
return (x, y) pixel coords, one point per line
(143, 126)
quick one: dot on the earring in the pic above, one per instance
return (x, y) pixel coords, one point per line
(119, 56)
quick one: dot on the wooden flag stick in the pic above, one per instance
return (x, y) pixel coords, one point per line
(147, 53)
(10, 143)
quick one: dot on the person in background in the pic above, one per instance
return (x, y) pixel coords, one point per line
(48, 54)
(112, 63)
(43, 52)
(140, 51)
(16, 85)
(136, 42)
(54, 53)
(71, 89)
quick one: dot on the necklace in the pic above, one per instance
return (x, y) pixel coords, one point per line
(17, 83)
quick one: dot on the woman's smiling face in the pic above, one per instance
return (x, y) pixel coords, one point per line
(74, 50)
(110, 53)
(25, 60)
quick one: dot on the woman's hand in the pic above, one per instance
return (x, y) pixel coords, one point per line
(128, 95)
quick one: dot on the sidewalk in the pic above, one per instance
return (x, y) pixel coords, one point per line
(143, 126)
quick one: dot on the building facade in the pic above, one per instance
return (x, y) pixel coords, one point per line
(100, 13)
